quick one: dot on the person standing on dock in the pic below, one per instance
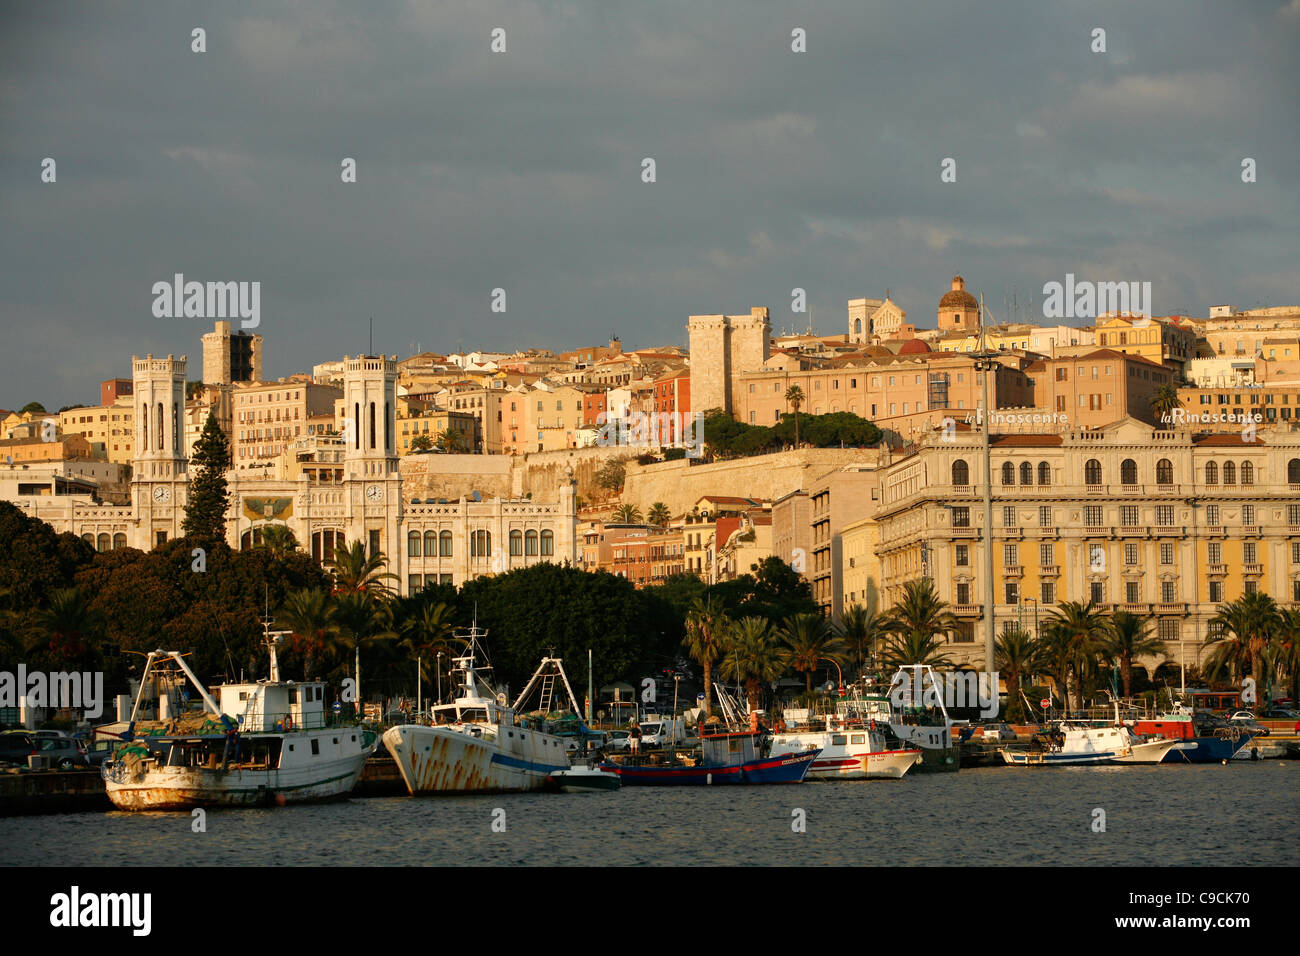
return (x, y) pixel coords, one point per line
(634, 739)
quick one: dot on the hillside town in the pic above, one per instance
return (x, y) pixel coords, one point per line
(1149, 464)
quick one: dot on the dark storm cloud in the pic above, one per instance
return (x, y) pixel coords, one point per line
(522, 170)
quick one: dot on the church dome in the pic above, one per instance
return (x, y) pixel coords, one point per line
(914, 347)
(957, 297)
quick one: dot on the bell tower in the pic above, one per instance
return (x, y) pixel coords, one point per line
(374, 483)
(160, 468)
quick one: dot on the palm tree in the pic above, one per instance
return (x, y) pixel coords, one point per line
(863, 629)
(354, 571)
(794, 397)
(1288, 640)
(1130, 637)
(279, 539)
(1239, 632)
(753, 656)
(428, 633)
(919, 614)
(809, 641)
(706, 639)
(627, 514)
(659, 514)
(421, 442)
(1016, 654)
(69, 627)
(1165, 401)
(912, 647)
(359, 619)
(452, 441)
(1078, 633)
(306, 613)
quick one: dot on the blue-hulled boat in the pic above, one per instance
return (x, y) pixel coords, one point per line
(726, 758)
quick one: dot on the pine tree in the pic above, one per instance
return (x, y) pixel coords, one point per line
(205, 512)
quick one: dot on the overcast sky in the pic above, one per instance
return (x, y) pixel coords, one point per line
(522, 170)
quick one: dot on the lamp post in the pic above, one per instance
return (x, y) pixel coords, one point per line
(1035, 603)
(985, 363)
(837, 670)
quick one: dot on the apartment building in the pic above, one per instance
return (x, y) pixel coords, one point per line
(1099, 387)
(268, 416)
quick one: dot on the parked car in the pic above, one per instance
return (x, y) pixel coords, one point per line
(97, 751)
(1245, 720)
(64, 752)
(15, 746)
(617, 741)
(49, 734)
(997, 732)
(1280, 713)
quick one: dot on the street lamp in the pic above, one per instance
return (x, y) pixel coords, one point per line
(1035, 602)
(838, 671)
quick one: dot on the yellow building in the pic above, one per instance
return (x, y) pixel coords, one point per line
(859, 565)
(106, 427)
(268, 416)
(1154, 521)
(1169, 340)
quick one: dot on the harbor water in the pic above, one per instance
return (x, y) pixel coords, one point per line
(1243, 814)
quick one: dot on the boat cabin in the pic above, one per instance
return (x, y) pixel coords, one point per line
(266, 707)
(730, 749)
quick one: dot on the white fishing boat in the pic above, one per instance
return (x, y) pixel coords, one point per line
(911, 707)
(1074, 742)
(476, 743)
(850, 750)
(270, 742)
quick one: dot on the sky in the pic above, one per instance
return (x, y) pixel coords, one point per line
(523, 170)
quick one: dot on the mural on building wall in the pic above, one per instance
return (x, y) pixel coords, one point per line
(268, 509)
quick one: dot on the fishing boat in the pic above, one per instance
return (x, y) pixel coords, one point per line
(1077, 742)
(265, 743)
(582, 780)
(850, 750)
(729, 757)
(1210, 746)
(476, 743)
(911, 708)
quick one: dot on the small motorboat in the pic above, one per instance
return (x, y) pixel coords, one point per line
(582, 780)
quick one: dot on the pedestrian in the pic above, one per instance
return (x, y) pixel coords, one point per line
(634, 739)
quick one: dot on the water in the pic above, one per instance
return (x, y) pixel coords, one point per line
(1240, 814)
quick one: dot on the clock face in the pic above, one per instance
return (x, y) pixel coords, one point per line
(161, 493)
(375, 493)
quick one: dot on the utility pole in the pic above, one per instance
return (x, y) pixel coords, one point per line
(985, 363)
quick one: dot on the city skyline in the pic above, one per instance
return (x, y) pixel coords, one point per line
(523, 170)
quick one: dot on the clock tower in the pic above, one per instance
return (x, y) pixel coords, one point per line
(159, 469)
(370, 461)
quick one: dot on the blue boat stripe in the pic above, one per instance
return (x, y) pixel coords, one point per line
(518, 764)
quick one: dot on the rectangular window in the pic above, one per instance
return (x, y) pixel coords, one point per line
(1216, 592)
(1295, 552)
(961, 517)
(1012, 592)
(1247, 514)
(1048, 591)
(1251, 587)
(1046, 555)
(1092, 516)
(963, 592)
(1097, 592)
(1009, 516)
(1045, 516)
(1215, 552)
(1167, 629)
(374, 542)
(1248, 555)
(1212, 515)
(1168, 591)
(963, 555)
(1166, 552)
(1132, 592)
(1010, 554)
(1165, 515)
(1128, 515)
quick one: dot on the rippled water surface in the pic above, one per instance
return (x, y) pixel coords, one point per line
(1241, 814)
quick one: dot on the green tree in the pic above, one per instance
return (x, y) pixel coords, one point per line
(452, 441)
(610, 475)
(627, 514)
(753, 657)
(32, 408)
(205, 509)
(1288, 641)
(794, 398)
(916, 623)
(1016, 654)
(307, 614)
(1130, 638)
(70, 629)
(428, 632)
(659, 515)
(1165, 401)
(1239, 632)
(35, 561)
(354, 570)
(707, 627)
(808, 642)
(278, 539)
(1078, 634)
(421, 443)
(863, 630)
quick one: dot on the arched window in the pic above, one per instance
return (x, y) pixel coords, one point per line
(1164, 472)
(480, 544)
(1026, 473)
(119, 540)
(444, 544)
(530, 543)
(413, 544)
(430, 544)
(372, 424)
(1293, 471)
(102, 543)
(176, 428)
(356, 424)
(1044, 473)
(1229, 473)
(89, 539)
(388, 440)
(1128, 472)
(161, 440)
(516, 543)
(1092, 472)
(1211, 473)
(857, 326)
(548, 543)
(1008, 473)
(960, 472)
(1247, 473)
(144, 427)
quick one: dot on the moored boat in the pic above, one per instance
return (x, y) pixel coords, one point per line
(264, 743)
(742, 757)
(1078, 743)
(849, 751)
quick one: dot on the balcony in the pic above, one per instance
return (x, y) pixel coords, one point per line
(1013, 533)
(1252, 531)
(1132, 531)
(1217, 569)
(1049, 571)
(1013, 571)
(1133, 608)
(968, 610)
(965, 532)
(1252, 569)
(1169, 531)
(1217, 531)
(1174, 608)
(1049, 532)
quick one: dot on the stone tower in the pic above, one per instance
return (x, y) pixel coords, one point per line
(374, 484)
(159, 467)
(722, 347)
(959, 311)
(231, 356)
